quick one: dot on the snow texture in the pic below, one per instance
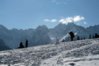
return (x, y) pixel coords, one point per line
(75, 53)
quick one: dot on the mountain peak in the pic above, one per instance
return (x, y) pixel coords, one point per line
(3, 27)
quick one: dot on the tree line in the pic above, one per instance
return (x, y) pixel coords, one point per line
(90, 37)
(21, 45)
(72, 36)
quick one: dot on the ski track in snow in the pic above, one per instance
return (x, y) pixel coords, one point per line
(82, 53)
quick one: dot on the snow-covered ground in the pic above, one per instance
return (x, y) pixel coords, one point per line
(79, 53)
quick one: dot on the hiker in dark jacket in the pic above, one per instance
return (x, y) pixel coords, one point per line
(71, 35)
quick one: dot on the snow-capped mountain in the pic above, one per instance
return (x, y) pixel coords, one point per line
(42, 34)
(62, 29)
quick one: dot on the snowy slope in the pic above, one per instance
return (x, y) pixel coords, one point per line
(80, 52)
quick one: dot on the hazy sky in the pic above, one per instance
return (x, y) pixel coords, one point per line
(31, 13)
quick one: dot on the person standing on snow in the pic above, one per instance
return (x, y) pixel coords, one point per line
(71, 35)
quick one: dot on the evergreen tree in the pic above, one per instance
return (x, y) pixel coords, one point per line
(21, 45)
(89, 36)
(78, 38)
(96, 35)
(93, 36)
(26, 43)
(84, 38)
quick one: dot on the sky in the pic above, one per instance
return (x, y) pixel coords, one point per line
(24, 14)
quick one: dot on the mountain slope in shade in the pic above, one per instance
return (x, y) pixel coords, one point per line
(41, 36)
(93, 29)
(13, 37)
(3, 45)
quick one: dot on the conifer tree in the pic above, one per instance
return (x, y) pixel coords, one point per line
(26, 43)
(78, 38)
(89, 36)
(21, 45)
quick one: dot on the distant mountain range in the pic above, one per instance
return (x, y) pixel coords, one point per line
(62, 29)
(42, 34)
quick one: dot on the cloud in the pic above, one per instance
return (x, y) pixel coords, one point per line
(78, 18)
(71, 19)
(53, 20)
(67, 20)
(50, 20)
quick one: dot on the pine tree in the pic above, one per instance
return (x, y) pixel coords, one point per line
(89, 36)
(78, 38)
(96, 35)
(93, 36)
(21, 45)
(84, 38)
(26, 43)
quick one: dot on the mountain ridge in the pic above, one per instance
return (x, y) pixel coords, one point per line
(12, 37)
